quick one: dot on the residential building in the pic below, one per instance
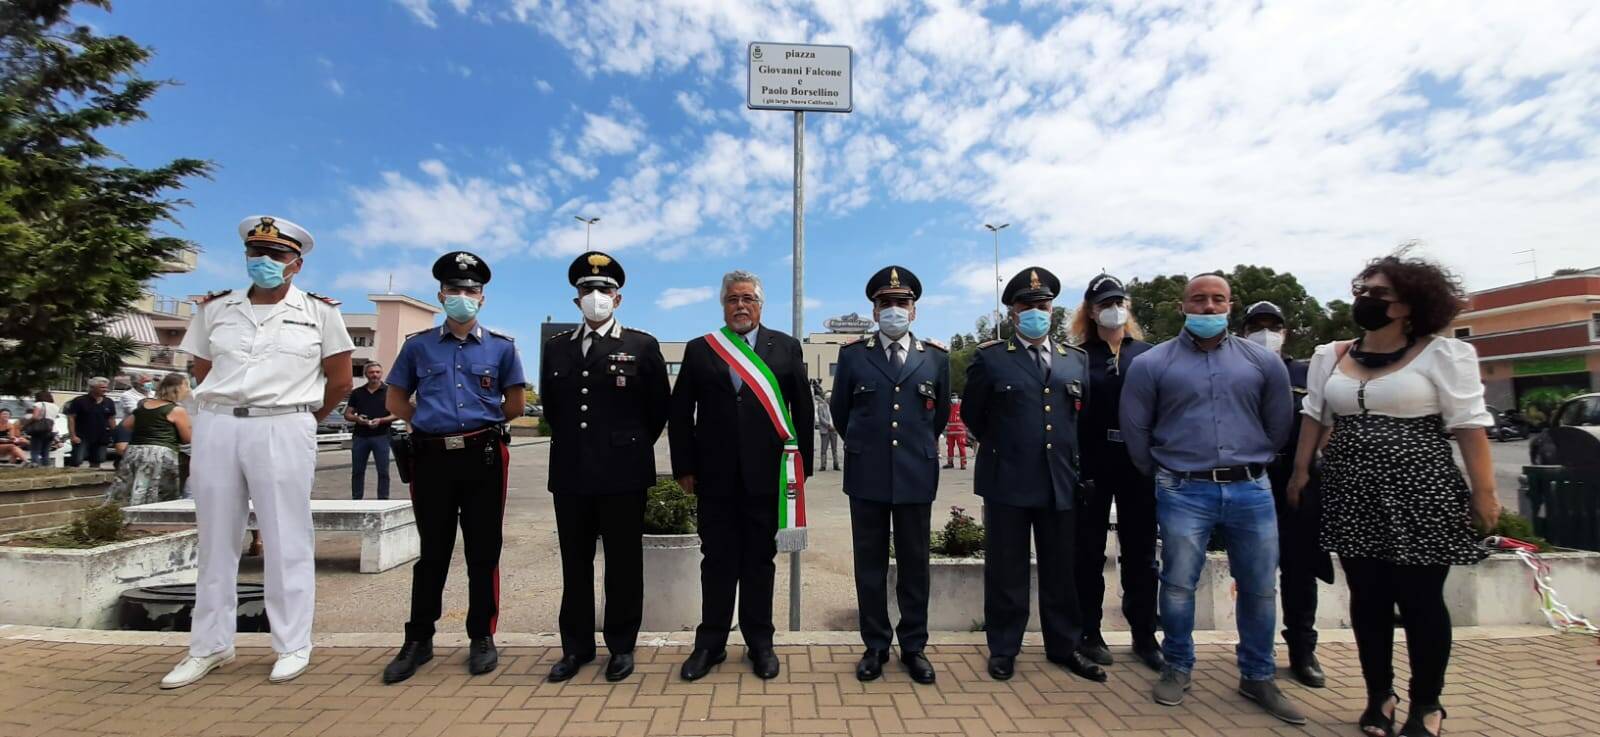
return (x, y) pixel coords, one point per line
(1540, 333)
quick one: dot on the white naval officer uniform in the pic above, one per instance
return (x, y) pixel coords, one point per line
(255, 441)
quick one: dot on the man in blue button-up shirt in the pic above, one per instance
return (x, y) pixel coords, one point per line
(468, 382)
(1204, 413)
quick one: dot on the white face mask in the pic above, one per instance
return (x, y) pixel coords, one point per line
(1112, 318)
(894, 322)
(1272, 340)
(596, 306)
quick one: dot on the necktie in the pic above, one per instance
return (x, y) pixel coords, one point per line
(1041, 358)
(895, 359)
(589, 342)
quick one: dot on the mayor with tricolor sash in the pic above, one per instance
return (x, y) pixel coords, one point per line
(740, 429)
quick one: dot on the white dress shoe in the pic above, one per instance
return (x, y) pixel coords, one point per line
(193, 669)
(290, 665)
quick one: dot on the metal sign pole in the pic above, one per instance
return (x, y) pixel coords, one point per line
(799, 314)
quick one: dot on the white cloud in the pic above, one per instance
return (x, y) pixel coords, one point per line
(336, 88)
(694, 106)
(675, 297)
(399, 278)
(442, 211)
(811, 303)
(461, 70)
(543, 86)
(422, 10)
(608, 135)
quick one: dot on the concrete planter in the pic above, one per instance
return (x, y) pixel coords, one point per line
(58, 587)
(671, 584)
(955, 594)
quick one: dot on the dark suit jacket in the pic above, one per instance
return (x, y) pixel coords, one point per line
(603, 434)
(891, 419)
(726, 440)
(1027, 429)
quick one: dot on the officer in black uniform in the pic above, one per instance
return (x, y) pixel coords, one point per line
(1301, 560)
(891, 398)
(605, 398)
(1106, 318)
(467, 381)
(1022, 402)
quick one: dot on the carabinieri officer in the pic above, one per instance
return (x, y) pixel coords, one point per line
(605, 397)
(1022, 402)
(468, 382)
(891, 397)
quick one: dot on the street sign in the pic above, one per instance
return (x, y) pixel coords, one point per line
(801, 77)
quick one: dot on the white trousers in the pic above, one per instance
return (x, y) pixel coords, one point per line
(270, 462)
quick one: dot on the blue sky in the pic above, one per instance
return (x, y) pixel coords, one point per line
(1140, 137)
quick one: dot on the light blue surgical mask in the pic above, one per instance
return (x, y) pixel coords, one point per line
(460, 308)
(894, 322)
(265, 271)
(1033, 324)
(1205, 326)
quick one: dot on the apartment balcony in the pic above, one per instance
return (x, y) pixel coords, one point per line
(182, 262)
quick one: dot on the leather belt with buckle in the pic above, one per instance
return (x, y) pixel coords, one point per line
(257, 411)
(1225, 475)
(1114, 436)
(458, 441)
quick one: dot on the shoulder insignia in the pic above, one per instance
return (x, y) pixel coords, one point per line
(627, 329)
(989, 343)
(861, 341)
(498, 334)
(409, 336)
(329, 300)
(563, 333)
(872, 341)
(936, 344)
(213, 295)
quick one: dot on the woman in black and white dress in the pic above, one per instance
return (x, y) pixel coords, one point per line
(1396, 507)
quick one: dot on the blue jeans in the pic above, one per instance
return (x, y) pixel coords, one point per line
(360, 446)
(1188, 511)
(92, 451)
(39, 448)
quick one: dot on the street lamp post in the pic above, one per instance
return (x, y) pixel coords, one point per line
(588, 225)
(995, 229)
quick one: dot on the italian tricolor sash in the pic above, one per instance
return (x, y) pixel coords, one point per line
(733, 350)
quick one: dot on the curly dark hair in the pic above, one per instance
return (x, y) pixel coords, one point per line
(1433, 292)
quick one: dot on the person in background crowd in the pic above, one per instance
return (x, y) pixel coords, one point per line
(827, 432)
(149, 468)
(40, 428)
(127, 394)
(1396, 507)
(955, 435)
(90, 421)
(12, 442)
(1105, 329)
(370, 434)
(1301, 560)
(1204, 413)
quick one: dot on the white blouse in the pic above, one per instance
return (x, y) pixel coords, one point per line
(1442, 380)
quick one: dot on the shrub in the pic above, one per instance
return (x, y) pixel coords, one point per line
(962, 536)
(1516, 526)
(1539, 404)
(97, 525)
(668, 509)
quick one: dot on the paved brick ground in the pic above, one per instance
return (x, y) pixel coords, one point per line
(1538, 686)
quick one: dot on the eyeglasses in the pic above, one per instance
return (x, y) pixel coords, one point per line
(272, 253)
(748, 300)
(1386, 294)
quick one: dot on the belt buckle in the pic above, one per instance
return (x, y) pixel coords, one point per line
(241, 411)
(1114, 436)
(1214, 478)
(455, 442)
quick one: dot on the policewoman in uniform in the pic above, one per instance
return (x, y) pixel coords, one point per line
(1104, 327)
(1301, 559)
(272, 361)
(1022, 402)
(891, 397)
(468, 382)
(605, 398)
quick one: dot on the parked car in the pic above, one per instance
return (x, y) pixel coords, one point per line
(1580, 411)
(533, 410)
(335, 422)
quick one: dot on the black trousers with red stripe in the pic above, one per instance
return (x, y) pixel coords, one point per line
(465, 487)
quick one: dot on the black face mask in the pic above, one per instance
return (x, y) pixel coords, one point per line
(1371, 313)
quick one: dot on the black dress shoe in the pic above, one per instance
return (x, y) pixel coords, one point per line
(1308, 671)
(700, 662)
(411, 657)
(764, 663)
(567, 667)
(1002, 667)
(1094, 649)
(619, 667)
(1081, 668)
(871, 665)
(1149, 653)
(918, 666)
(483, 657)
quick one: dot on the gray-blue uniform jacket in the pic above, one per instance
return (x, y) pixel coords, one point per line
(1027, 430)
(890, 420)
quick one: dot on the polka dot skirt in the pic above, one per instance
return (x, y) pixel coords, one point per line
(1391, 490)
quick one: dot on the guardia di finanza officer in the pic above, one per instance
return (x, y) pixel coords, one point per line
(1022, 401)
(605, 398)
(891, 397)
(468, 382)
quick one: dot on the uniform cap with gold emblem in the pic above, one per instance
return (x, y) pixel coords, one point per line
(596, 269)
(1032, 284)
(461, 269)
(894, 281)
(267, 231)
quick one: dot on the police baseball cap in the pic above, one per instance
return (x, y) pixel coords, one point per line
(1104, 287)
(1264, 309)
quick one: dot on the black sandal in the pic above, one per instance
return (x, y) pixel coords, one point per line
(1415, 727)
(1374, 718)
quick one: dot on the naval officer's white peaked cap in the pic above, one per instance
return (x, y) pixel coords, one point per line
(269, 230)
